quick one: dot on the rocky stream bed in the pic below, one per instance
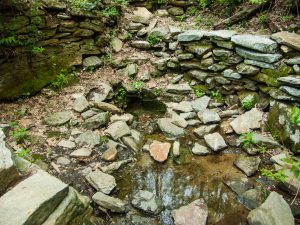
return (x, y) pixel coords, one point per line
(161, 135)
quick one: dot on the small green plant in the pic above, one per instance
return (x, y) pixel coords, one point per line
(121, 2)
(203, 3)
(10, 41)
(37, 50)
(262, 149)
(154, 39)
(157, 91)
(106, 59)
(248, 102)
(91, 69)
(191, 11)
(161, 2)
(181, 18)
(127, 36)
(13, 124)
(295, 115)
(247, 139)
(259, 2)
(60, 80)
(24, 153)
(110, 12)
(19, 135)
(120, 97)
(198, 92)
(263, 18)
(217, 95)
(137, 85)
(273, 175)
(286, 18)
(104, 139)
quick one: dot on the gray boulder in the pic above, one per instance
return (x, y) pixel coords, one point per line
(96, 121)
(208, 116)
(201, 131)
(215, 141)
(111, 203)
(88, 138)
(117, 130)
(101, 181)
(80, 104)
(169, 128)
(59, 118)
(147, 202)
(248, 164)
(200, 150)
(190, 35)
(200, 103)
(293, 81)
(264, 57)
(255, 42)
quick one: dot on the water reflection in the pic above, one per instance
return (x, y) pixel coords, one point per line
(178, 185)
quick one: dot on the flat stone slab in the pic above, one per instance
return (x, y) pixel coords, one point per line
(247, 121)
(80, 104)
(200, 150)
(291, 91)
(117, 130)
(179, 88)
(32, 200)
(248, 164)
(81, 153)
(190, 35)
(290, 39)
(201, 131)
(208, 116)
(255, 42)
(89, 138)
(215, 141)
(195, 213)
(200, 103)
(159, 151)
(274, 211)
(59, 118)
(169, 128)
(264, 57)
(92, 61)
(111, 203)
(101, 181)
(220, 34)
(290, 81)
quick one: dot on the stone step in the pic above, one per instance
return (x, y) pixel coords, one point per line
(32, 200)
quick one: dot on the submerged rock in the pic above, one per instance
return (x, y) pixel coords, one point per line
(147, 202)
(239, 186)
(274, 211)
(194, 213)
(160, 151)
(248, 164)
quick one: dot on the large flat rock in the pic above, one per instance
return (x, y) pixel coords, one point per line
(8, 171)
(255, 42)
(101, 181)
(264, 57)
(290, 39)
(32, 200)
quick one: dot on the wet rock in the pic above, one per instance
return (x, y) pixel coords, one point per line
(141, 44)
(200, 150)
(160, 151)
(203, 130)
(245, 69)
(291, 91)
(179, 88)
(101, 181)
(251, 199)
(80, 104)
(32, 200)
(194, 213)
(247, 121)
(290, 81)
(176, 148)
(110, 154)
(208, 116)
(255, 42)
(92, 62)
(128, 118)
(200, 103)
(291, 183)
(170, 129)
(59, 118)
(215, 141)
(67, 144)
(116, 44)
(147, 202)
(287, 38)
(239, 186)
(264, 57)
(248, 164)
(88, 138)
(81, 153)
(274, 211)
(190, 35)
(111, 203)
(130, 143)
(96, 121)
(117, 130)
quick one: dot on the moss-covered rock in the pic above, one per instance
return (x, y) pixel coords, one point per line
(282, 127)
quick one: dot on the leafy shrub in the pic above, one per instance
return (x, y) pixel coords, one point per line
(37, 50)
(295, 116)
(217, 95)
(137, 85)
(19, 135)
(247, 139)
(273, 175)
(263, 18)
(10, 41)
(61, 80)
(110, 12)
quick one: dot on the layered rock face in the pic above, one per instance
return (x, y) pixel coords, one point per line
(41, 39)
